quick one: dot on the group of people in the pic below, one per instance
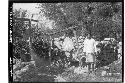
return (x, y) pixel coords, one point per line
(89, 50)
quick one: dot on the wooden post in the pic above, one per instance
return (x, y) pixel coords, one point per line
(30, 40)
(76, 43)
(50, 48)
(76, 54)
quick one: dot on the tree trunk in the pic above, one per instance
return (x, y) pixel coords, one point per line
(50, 48)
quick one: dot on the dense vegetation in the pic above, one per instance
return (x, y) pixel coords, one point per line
(100, 19)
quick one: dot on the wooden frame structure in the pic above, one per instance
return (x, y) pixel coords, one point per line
(49, 34)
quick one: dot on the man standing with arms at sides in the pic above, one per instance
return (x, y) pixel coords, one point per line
(68, 45)
(89, 50)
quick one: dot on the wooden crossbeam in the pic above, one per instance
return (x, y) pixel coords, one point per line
(26, 19)
(49, 34)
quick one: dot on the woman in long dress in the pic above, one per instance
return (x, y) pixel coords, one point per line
(89, 50)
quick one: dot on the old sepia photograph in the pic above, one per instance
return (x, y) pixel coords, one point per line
(66, 42)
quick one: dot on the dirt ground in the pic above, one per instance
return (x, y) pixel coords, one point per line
(113, 74)
(30, 73)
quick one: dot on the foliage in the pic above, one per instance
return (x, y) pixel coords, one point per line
(41, 48)
(106, 56)
(20, 44)
(75, 13)
(95, 19)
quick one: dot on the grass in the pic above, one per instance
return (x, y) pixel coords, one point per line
(47, 74)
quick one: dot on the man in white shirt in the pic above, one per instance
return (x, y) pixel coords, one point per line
(67, 45)
(89, 49)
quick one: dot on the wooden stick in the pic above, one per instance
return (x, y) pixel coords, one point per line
(30, 40)
(50, 48)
